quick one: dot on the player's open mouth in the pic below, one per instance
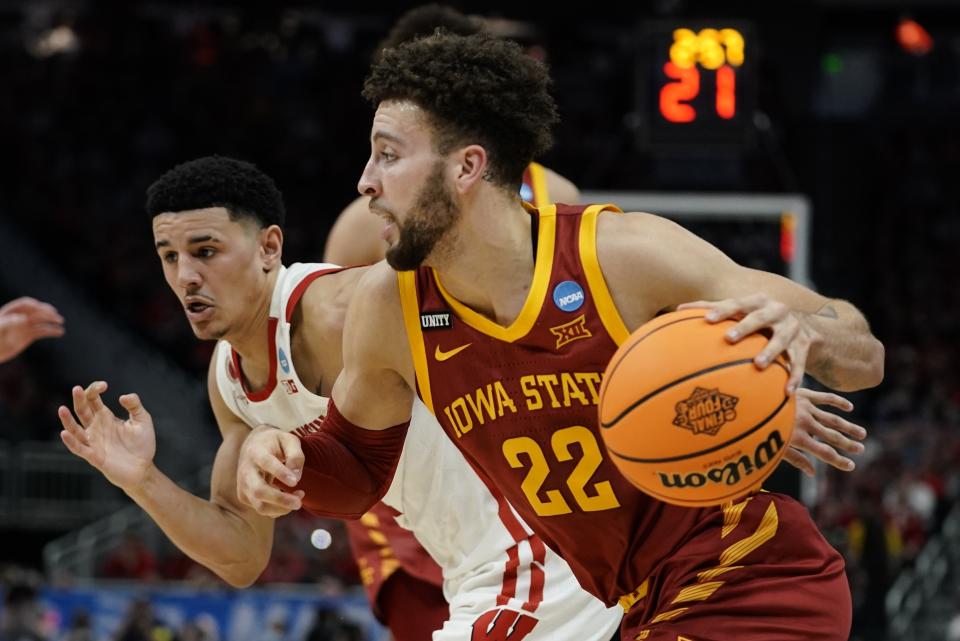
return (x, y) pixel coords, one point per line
(198, 310)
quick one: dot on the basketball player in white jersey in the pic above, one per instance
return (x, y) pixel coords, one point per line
(216, 225)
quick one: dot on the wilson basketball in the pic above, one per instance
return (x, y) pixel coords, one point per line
(687, 416)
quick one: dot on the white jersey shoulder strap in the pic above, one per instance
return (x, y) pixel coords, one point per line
(284, 401)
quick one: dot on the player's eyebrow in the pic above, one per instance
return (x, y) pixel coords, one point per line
(192, 241)
(385, 136)
(202, 239)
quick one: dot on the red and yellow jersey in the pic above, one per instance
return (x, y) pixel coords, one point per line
(534, 189)
(520, 402)
(436, 514)
(381, 547)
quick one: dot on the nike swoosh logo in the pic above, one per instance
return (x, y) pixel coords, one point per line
(442, 356)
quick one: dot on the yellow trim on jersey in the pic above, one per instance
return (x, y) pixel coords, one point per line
(538, 180)
(407, 281)
(731, 516)
(543, 265)
(764, 532)
(696, 592)
(666, 616)
(627, 601)
(704, 588)
(609, 315)
(706, 575)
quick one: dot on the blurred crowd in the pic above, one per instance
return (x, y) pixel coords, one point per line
(909, 477)
(292, 561)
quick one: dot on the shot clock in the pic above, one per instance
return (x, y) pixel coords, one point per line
(696, 83)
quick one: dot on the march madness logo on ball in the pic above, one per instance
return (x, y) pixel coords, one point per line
(706, 411)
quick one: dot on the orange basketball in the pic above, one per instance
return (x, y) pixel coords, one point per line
(688, 417)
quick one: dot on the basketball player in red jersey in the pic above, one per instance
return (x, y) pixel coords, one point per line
(355, 237)
(503, 318)
(355, 240)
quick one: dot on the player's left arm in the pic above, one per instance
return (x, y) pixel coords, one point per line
(653, 265)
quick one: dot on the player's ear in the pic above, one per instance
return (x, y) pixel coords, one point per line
(271, 247)
(471, 168)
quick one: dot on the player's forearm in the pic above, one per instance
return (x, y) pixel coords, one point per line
(347, 468)
(206, 532)
(847, 357)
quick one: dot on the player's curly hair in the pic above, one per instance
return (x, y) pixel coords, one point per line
(474, 89)
(218, 181)
(425, 20)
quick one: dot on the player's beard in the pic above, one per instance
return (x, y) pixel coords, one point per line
(432, 215)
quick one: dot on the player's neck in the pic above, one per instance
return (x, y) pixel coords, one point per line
(490, 268)
(251, 338)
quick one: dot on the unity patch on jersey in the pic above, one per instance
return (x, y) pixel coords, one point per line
(568, 296)
(436, 320)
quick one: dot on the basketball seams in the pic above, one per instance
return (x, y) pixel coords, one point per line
(613, 365)
(678, 381)
(710, 450)
(648, 414)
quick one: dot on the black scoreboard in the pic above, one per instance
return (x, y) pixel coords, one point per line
(696, 83)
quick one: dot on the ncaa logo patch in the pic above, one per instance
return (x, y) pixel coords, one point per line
(284, 363)
(568, 296)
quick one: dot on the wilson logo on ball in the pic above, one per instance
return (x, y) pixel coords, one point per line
(706, 411)
(732, 472)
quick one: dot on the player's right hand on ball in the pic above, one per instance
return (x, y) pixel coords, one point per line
(271, 462)
(122, 450)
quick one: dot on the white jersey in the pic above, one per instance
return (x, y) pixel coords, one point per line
(496, 572)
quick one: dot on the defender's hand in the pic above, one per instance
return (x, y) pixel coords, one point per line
(268, 454)
(823, 434)
(122, 450)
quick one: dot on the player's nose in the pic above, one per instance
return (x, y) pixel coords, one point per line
(368, 184)
(188, 276)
